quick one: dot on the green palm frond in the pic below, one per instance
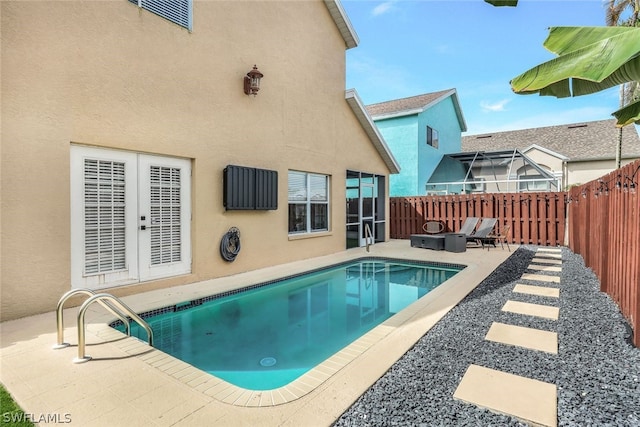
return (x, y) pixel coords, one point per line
(628, 114)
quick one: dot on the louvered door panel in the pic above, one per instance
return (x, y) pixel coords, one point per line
(104, 213)
(164, 203)
(165, 228)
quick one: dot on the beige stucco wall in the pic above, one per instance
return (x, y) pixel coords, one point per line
(546, 160)
(107, 74)
(580, 172)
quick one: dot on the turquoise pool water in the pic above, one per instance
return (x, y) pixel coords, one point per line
(266, 337)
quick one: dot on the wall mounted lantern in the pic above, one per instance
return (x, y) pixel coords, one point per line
(252, 81)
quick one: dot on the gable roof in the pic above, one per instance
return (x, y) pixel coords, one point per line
(371, 129)
(415, 105)
(545, 150)
(342, 22)
(595, 140)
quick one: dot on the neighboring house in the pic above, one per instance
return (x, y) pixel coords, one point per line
(505, 171)
(118, 127)
(419, 131)
(574, 153)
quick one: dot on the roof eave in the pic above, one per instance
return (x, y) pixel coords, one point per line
(395, 114)
(545, 150)
(600, 159)
(341, 19)
(371, 130)
(450, 93)
(453, 93)
(458, 108)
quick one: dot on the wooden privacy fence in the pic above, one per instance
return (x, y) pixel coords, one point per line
(604, 227)
(534, 218)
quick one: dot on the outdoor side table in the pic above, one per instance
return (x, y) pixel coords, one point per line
(428, 241)
(455, 242)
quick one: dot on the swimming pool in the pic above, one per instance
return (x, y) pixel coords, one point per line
(267, 335)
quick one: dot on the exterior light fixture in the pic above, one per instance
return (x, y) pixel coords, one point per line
(632, 182)
(252, 81)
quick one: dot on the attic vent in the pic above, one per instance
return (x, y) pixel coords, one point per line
(176, 11)
(483, 136)
(576, 126)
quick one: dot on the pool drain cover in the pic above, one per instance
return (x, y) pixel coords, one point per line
(268, 361)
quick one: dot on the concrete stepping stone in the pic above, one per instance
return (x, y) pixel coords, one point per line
(548, 255)
(542, 291)
(544, 268)
(547, 261)
(551, 250)
(533, 339)
(537, 310)
(541, 278)
(529, 400)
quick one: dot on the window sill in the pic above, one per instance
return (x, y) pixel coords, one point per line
(310, 235)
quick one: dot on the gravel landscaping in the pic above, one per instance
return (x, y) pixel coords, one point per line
(596, 370)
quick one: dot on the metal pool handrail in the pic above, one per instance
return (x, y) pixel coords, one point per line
(60, 315)
(122, 306)
(367, 232)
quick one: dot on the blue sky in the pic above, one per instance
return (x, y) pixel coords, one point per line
(411, 47)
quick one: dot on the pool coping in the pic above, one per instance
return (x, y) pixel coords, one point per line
(127, 381)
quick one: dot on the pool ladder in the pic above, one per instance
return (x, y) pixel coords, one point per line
(368, 236)
(108, 301)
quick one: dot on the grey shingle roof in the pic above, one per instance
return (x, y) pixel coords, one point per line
(404, 104)
(577, 141)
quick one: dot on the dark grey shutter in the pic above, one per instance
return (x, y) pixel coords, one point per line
(250, 188)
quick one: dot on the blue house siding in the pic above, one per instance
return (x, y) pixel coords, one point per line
(449, 170)
(401, 134)
(403, 124)
(441, 117)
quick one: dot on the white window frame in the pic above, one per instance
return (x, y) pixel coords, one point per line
(308, 201)
(433, 137)
(533, 186)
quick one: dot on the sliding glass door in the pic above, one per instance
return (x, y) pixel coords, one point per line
(365, 208)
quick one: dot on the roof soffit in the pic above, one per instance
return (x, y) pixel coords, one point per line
(371, 130)
(343, 23)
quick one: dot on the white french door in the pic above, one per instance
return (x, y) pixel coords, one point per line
(130, 217)
(164, 216)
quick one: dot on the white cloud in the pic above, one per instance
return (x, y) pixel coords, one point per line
(382, 8)
(493, 107)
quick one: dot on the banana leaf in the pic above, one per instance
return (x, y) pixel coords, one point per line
(590, 59)
(566, 39)
(628, 115)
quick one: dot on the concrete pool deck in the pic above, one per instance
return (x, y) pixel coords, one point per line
(130, 383)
